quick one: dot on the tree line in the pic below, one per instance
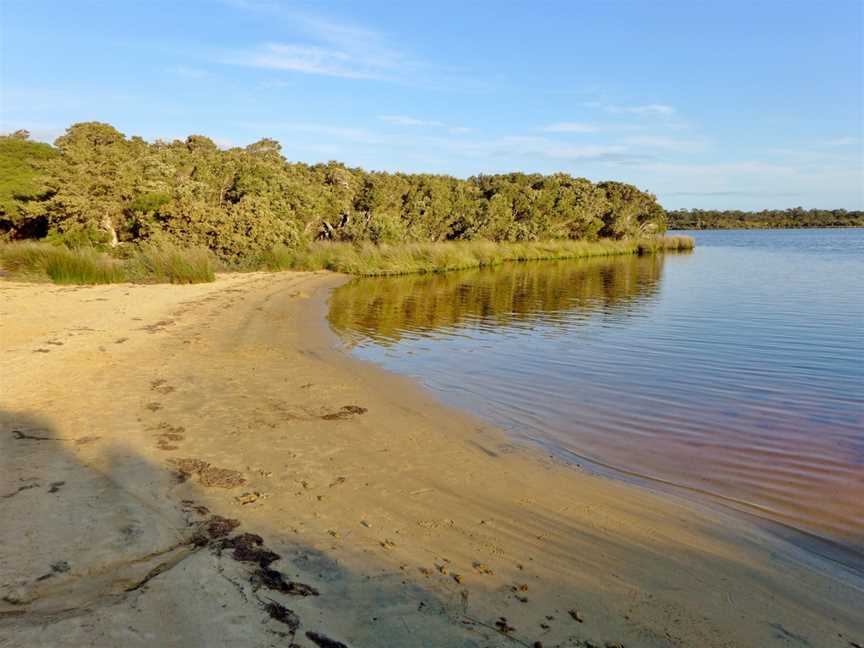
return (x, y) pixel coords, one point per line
(95, 186)
(697, 219)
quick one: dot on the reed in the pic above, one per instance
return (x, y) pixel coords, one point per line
(86, 265)
(171, 264)
(369, 259)
(60, 264)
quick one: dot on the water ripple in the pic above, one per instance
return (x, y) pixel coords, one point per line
(735, 372)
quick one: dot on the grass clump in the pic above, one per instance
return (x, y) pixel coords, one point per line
(60, 264)
(86, 265)
(171, 264)
(677, 243)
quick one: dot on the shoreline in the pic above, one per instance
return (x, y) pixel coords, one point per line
(379, 510)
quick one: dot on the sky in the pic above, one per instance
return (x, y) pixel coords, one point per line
(720, 104)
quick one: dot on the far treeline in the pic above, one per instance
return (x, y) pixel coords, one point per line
(699, 219)
(97, 187)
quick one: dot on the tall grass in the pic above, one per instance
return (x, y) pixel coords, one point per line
(170, 264)
(60, 264)
(85, 265)
(677, 243)
(407, 258)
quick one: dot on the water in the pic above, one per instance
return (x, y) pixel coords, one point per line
(734, 373)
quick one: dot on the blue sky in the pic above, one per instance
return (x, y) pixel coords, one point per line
(707, 104)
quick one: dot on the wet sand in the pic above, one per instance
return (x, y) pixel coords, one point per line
(200, 466)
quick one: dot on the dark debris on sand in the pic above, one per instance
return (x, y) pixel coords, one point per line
(208, 476)
(323, 641)
(345, 412)
(215, 533)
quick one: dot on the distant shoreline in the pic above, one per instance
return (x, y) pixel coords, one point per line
(744, 229)
(701, 219)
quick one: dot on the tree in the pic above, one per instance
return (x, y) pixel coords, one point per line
(90, 180)
(99, 187)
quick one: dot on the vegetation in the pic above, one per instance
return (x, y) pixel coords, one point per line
(61, 264)
(22, 181)
(87, 265)
(697, 219)
(98, 187)
(110, 208)
(370, 259)
(170, 264)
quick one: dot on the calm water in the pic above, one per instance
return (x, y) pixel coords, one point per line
(735, 372)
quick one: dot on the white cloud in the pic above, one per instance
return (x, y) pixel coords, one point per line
(556, 150)
(313, 43)
(572, 127)
(39, 132)
(665, 143)
(322, 46)
(541, 148)
(187, 72)
(356, 135)
(841, 141)
(657, 110)
(308, 60)
(751, 178)
(402, 120)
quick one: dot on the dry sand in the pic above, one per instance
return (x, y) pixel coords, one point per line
(145, 429)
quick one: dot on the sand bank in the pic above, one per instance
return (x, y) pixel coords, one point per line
(145, 429)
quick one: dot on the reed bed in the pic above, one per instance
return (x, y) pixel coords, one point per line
(35, 261)
(368, 259)
(171, 264)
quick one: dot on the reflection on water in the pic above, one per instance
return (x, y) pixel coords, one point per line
(514, 295)
(734, 372)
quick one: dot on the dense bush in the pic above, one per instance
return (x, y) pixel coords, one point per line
(98, 187)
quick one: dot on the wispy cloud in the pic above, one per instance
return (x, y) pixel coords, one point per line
(337, 133)
(308, 60)
(187, 72)
(543, 148)
(39, 132)
(403, 120)
(572, 127)
(527, 149)
(321, 46)
(841, 141)
(657, 110)
(747, 178)
(664, 143)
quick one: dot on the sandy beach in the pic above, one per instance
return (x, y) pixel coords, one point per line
(203, 466)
